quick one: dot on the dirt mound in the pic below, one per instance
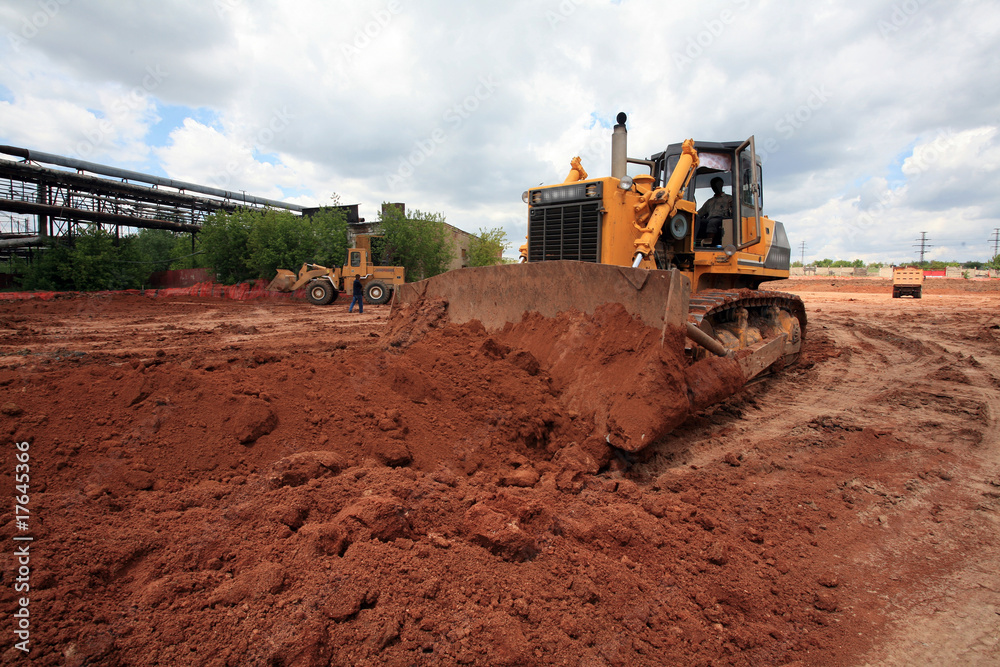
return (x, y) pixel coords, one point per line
(629, 380)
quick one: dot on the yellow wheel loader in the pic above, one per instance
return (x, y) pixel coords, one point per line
(324, 285)
(684, 247)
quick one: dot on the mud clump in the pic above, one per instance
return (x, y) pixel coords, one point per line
(299, 468)
(711, 380)
(252, 418)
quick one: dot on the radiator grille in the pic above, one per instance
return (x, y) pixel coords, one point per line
(780, 254)
(565, 232)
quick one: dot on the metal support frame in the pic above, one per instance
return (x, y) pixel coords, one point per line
(61, 201)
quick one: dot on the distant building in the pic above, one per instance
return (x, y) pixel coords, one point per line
(358, 226)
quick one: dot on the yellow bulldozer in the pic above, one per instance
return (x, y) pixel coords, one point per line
(684, 245)
(323, 285)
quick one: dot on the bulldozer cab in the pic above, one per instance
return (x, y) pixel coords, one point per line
(739, 168)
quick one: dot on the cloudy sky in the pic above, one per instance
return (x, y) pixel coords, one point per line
(877, 120)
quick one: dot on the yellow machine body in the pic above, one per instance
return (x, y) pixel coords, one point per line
(324, 284)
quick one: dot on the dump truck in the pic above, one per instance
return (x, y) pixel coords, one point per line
(323, 285)
(907, 281)
(672, 247)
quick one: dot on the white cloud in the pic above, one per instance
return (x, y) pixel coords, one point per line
(201, 154)
(844, 107)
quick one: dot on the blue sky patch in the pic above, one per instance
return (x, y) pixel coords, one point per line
(895, 175)
(172, 117)
(598, 121)
(266, 158)
(287, 193)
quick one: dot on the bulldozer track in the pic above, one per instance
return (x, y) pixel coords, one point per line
(711, 303)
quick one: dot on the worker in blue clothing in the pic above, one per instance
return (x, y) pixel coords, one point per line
(358, 293)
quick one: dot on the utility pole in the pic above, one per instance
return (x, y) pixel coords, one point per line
(923, 245)
(802, 251)
(996, 242)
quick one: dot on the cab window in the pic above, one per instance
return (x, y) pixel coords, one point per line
(746, 180)
(355, 259)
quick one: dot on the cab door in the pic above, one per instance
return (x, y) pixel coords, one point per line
(357, 262)
(749, 194)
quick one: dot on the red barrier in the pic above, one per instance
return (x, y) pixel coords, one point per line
(179, 278)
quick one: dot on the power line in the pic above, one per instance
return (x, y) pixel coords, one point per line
(802, 250)
(996, 242)
(923, 245)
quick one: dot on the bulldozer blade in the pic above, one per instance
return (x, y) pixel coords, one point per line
(497, 295)
(637, 393)
(283, 281)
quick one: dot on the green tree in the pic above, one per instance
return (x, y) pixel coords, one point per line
(91, 260)
(97, 263)
(487, 248)
(155, 247)
(275, 240)
(994, 263)
(329, 233)
(224, 237)
(283, 240)
(796, 264)
(151, 250)
(51, 269)
(419, 242)
(162, 250)
(188, 252)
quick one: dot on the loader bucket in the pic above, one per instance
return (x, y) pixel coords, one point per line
(283, 281)
(497, 295)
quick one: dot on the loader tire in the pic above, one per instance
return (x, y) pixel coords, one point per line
(320, 292)
(377, 293)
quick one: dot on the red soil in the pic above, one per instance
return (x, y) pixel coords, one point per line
(226, 483)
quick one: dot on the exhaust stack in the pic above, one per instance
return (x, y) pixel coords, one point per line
(619, 147)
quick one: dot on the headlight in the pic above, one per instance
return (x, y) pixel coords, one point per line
(625, 183)
(524, 196)
(678, 226)
(566, 193)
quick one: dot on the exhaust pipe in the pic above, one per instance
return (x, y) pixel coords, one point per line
(619, 148)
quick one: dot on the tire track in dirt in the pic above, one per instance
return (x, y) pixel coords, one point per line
(933, 378)
(954, 619)
(930, 381)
